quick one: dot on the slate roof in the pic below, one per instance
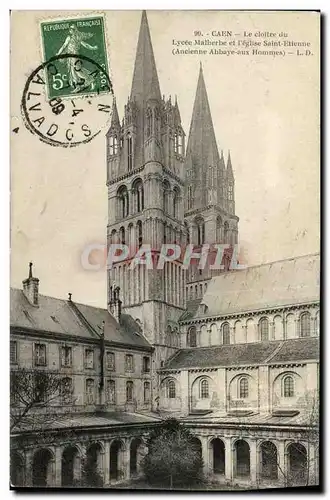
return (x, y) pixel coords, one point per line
(285, 282)
(62, 317)
(246, 354)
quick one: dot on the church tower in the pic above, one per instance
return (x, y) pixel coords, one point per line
(209, 192)
(145, 179)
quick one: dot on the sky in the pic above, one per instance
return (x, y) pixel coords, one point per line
(265, 110)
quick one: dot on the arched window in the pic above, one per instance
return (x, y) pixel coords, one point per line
(226, 334)
(305, 325)
(129, 153)
(113, 145)
(122, 197)
(146, 392)
(243, 388)
(139, 233)
(176, 195)
(122, 235)
(226, 232)
(138, 195)
(166, 192)
(113, 236)
(192, 337)
(288, 386)
(200, 231)
(129, 391)
(230, 192)
(219, 230)
(171, 389)
(264, 329)
(204, 389)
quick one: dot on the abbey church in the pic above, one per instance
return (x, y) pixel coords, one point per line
(232, 353)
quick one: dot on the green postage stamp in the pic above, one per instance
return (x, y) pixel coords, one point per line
(74, 46)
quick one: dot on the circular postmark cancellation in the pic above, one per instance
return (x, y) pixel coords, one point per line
(76, 117)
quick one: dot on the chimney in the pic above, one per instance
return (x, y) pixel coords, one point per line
(31, 288)
(115, 302)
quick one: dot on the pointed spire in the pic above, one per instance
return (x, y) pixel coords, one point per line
(145, 83)
(30, 269)
(222, 161)
(115, 123)
(230, 173)
(202, 148)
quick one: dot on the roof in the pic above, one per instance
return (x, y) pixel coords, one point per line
(69, 318)
(285, 282)
(253, 353)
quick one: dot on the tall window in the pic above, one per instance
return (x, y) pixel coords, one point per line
(243, 388)
(178, 143)
(66, 391)
(122, 235)
(129, 153)
(89, 358)
(192, 337)
(146, 392)
(13, 351)
(123, 202)
(138, 195)
(111, 391)
(226, 334)
(264, 329)
(166, 191)
(204, 389)
(129, 391)
(305, 325)
(190, 198)
(40, 388)
(110, 357)
(149, 122)
(66, 355)
(139, 233)
(129, 363)
(226, 232)
(171, 389)
(89, 391)
(113, 145)
(230, 192)
(288, 387)
(200, 231)
(219, 230)
(146, 364)
(40, 354)
(176, 195)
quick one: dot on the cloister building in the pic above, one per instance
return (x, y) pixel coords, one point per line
(233, 354)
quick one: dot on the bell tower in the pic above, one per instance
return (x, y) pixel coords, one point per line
(145, 179)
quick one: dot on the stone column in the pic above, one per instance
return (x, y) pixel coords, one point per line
(126, 462)
(205, 455)
(281, 463)
(272, 330)
(229, 458)
(58, 466)
(28, 467)
(253, 461)
(106, 463)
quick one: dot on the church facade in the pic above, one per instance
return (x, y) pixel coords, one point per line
(233, 354)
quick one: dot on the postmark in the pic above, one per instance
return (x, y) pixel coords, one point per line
(81, 37)
(68, 122)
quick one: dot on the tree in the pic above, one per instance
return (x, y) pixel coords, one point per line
(174, 458)
(32, 394)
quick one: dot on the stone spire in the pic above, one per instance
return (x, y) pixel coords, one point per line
(145, 83)
(115, 122)
(202, 149)
(230, 172)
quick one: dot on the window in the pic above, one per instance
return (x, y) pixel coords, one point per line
(89, 358)
(178, 143)
(122, 235)
(110, 357)
(123, 208)
(113, 145)
(40, 354)
(129, 391)
(243, 388)
(190, 198)
(204, 389)
(129, 363)
(187, 231)
(89, 391)
(129, 153)
(171, 389)
(305, 325)
(66, 391)
(200, 232)
(111, 391)
(138, 195)
(230, 192)
(192, 337)
(288, 387)
(149, 122)
(139, 233)
(40, 387)
(219, 230)
(146, 392)
(13, 351)
(66, 355)
(264, 329)
(146, 364)
(176, 195)
(166, 191)
(226, 232)
(226, 334)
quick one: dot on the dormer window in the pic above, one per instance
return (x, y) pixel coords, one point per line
(113, 145)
